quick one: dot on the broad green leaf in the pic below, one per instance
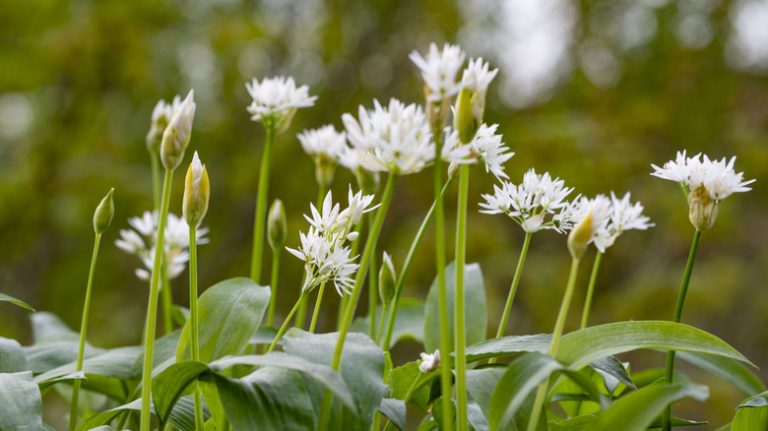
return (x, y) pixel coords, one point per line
(15, 301)
(395, 411)
(408, 378)
(409, 322)
(752, 414)
(476, 320)
(578, 423)
(12, 359)
(55, 343)
(230, 314)
(21, 407)
(117, 363)
(48, 328)
(182, 416)
(480, 385)
(265, 335)
(610, 367)
(362, 368)
(728, 369)
(164, 354)
(169, 385)
(582, 347)
(506, 346)
(637, 410)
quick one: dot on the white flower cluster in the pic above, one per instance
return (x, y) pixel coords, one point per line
(478, 76)
(535, 204)
(717, 176)
(486, 147)
(598, 207)
(277, 98)
(324, 142)
(624, 216)
(324, 249)
(394, 139)
(140, 242)
(429, 362)
(439, 70)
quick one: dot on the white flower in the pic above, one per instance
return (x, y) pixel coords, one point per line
(277, 98)
(327, 220)
(393, 139)
(572, 214)
(357, 205)
(323, 142)
(717, 176)
(486, 146)
(535, 204)
(624, 216)
(140, 242)
(477, 76)
(439, 70)
(429, 362)
(163, 111)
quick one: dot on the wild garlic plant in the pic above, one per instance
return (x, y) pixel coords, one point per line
(212, 374)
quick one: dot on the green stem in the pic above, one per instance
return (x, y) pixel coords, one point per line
(259, 220)
(344, 302)
(541, 394)
(83, 329)
(382, 318)
(392, 312)
(459, 311)
(273, 286)
(193, 323)
(286, 322)
(167, 295)
(513, 287)
(302, 313)
(373, 290)
(154, 156)
(316, 312)
(670, 371)
(590, 290)
(149, 327)
(349, 311)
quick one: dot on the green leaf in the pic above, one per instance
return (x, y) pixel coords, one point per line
(637, 410)
(164, 354)
(20, 405)
(169, 385)
(117, 363)
(474, 290)
(230, 314)
(14, 301)
(12, 359)
(408, 378)
(395, 411)
(362, 368)
(182, 416)
(582, 347)
(480, 385)
(55, 343)
(612, 367)
(752, 414)
(728, 369)
(409, 322)
(511, 345)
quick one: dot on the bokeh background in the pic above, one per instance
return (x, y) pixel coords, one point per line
(592, 91)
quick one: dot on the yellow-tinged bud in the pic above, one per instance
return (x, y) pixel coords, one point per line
(284, 120)
(580, 235)
(102, 217)
(325, 168)
(702, 209)
(464, 120)
(387, 279)
(197, 192)
(178, 133)
(277, 226)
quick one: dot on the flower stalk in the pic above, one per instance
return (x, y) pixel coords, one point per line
(459, 311)
(259, 220)
(590, 290)
(277, 231)
(286, 322)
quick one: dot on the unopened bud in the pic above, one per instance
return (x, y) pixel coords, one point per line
(325, 168)
(702, 209)
(102, 217)
(178, 133)
(161, 115)
(284, 120)
(387, 279)
(464, 120)
(197, 192)
(580, 235)
(277, 226)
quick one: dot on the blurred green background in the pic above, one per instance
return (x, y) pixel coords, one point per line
(592, 91)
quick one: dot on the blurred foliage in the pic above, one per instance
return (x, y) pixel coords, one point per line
(78, 80)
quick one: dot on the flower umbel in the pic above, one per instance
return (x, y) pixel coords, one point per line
(486, 146)
(587, 217)
(624, 216)
(429, 362)
(439, 70)
(535, 204)
(277, 99)
(325, 145)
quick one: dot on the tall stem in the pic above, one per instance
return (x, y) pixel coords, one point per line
(83, 330)
(154, 156)
(382, 318)
(670, 371)
(355, 246)
(459, 311)
(590, 290)
(513, 287)
(392, 309)
(349, 311)
(273, 286)
(286, 322)
(541, 395)
(149, 326)
(167, 296)
(373, 289)
(259, 221)
(193, 322)
(316, 312)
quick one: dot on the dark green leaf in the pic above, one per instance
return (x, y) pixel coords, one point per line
(480, 385)
(20, 405)
(14, 301)
(752, 414)
(407, 378)
(615, 369)
(476, 321)
(510, 345)
(230, 314)
(169, 385)
(395, 411)
(728, 369)
(409, 322)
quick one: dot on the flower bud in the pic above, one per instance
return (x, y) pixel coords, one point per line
(284, 120)
(387, 278)
(178, 133)
(197, 192)
(325, 168)
(102, 217)
(464, 120)
(702, 209)
(277, 226)
(580, 235)
(160, 118)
